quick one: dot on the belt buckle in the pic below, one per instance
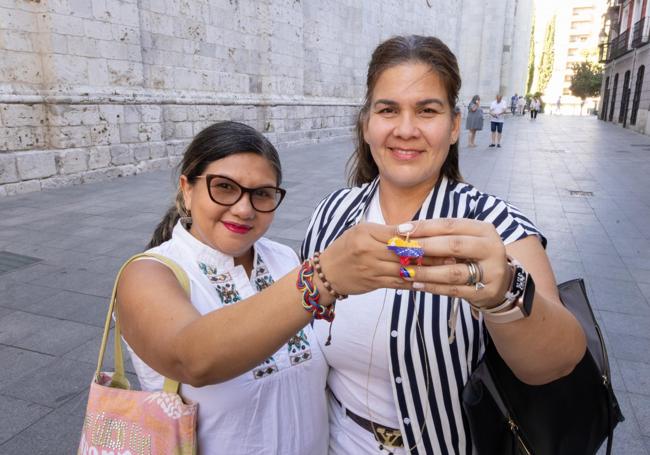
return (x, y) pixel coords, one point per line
(388, 437)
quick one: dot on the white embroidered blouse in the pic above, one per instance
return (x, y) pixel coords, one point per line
(280, 405)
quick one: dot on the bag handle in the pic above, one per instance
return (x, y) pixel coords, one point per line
(119, 378)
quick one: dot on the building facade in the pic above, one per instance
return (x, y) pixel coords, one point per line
(96, 89)
(625, 52)
(577, 25)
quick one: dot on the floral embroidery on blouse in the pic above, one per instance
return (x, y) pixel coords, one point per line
(298, 346)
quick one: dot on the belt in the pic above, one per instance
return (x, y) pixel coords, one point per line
(386, 436)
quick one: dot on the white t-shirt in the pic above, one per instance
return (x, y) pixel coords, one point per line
(498, 110)
(280, 405)
(360, 331)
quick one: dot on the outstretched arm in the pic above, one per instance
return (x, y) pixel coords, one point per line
(168, 333)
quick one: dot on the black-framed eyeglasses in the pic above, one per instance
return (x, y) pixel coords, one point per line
(225, 191)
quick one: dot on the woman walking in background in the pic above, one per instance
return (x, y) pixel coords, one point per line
(474, 120)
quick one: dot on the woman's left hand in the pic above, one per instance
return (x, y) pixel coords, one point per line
(466, 241)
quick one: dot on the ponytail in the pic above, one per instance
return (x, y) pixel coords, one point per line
(163, 231)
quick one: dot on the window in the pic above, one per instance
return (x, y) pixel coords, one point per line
(613, 103)
(637, 94)
(625, 97)
(603, 109)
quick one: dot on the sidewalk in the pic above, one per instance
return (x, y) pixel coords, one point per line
(52, 312)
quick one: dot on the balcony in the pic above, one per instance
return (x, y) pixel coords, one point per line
(640, 32)
(619, 45)
(603, 53)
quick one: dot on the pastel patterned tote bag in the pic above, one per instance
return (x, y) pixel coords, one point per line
(124, 421)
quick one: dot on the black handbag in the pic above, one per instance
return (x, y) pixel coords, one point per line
(570, 416)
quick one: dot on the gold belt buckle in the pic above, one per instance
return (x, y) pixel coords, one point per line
(389, 437)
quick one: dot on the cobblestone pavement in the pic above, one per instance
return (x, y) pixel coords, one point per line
(51, 312)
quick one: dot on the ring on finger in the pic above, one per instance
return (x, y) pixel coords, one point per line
(479, 281)
(475, 277)
(472, 277)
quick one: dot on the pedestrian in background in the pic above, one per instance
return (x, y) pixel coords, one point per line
(498, 110)
(513, 104)
(535, 106)
(521, 105)
(474, 120)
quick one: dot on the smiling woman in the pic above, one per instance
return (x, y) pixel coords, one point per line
(399, 360)
(241, 345)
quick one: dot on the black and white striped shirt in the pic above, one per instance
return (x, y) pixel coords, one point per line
(428, 373)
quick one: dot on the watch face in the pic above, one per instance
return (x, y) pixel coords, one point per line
(528, 295)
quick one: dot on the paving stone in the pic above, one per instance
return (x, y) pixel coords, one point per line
(17, 363)
(73, 306)
(636, 376)
(43, 334)
(18, 415)
(641, 407)
(19, 296)
(53, 384)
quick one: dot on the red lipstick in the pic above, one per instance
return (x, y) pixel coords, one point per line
(237, 228)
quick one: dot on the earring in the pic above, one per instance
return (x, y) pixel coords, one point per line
(186, 221)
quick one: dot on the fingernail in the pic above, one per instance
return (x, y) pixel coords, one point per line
(418, 285)
(449, 261)
(405, 228)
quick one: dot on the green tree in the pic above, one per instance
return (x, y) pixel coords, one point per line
(586, 79)
(531, 60)
(548, 56)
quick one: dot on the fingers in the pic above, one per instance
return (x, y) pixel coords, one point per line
(444, 226)
(459, 246)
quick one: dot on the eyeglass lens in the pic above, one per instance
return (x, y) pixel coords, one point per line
(227, 192)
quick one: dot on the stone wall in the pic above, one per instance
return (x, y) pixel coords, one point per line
(94, 89)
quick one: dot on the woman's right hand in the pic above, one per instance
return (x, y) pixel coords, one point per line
(359, 261)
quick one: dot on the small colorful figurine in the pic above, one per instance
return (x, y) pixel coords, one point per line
(406, 250)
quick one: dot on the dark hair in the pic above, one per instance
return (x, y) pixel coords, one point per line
(392, 52)
(211, 144)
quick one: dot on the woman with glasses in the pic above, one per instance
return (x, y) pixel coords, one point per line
(241, 345)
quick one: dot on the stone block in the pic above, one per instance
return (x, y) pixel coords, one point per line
(62, 181)
(28, 186)
(153, 165)
(62, 137)
(150, 113)
(8, 169)
(105, 134)
(84, 47)
(111, 113)
(121, 154)
(64, 24)
(108, 173)
(38, 164)
(20, 67)
(157, 150)
(98, 30)
(71, 161)
(17, 41)
(141, 152)
(99, 157)
(18, 20)
(132, 114)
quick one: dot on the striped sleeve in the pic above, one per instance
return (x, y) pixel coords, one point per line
(510, 223)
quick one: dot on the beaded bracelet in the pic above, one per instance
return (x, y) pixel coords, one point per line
(321, 275)
(310, 294)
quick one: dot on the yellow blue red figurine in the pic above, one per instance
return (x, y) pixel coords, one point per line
(407, 250)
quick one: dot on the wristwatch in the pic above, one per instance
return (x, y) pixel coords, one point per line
(518, 301)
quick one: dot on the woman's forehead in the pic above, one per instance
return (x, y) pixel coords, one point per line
(409, 82)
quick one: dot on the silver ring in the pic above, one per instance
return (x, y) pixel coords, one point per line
(475, 277)
(472, 279)
(479, 282)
